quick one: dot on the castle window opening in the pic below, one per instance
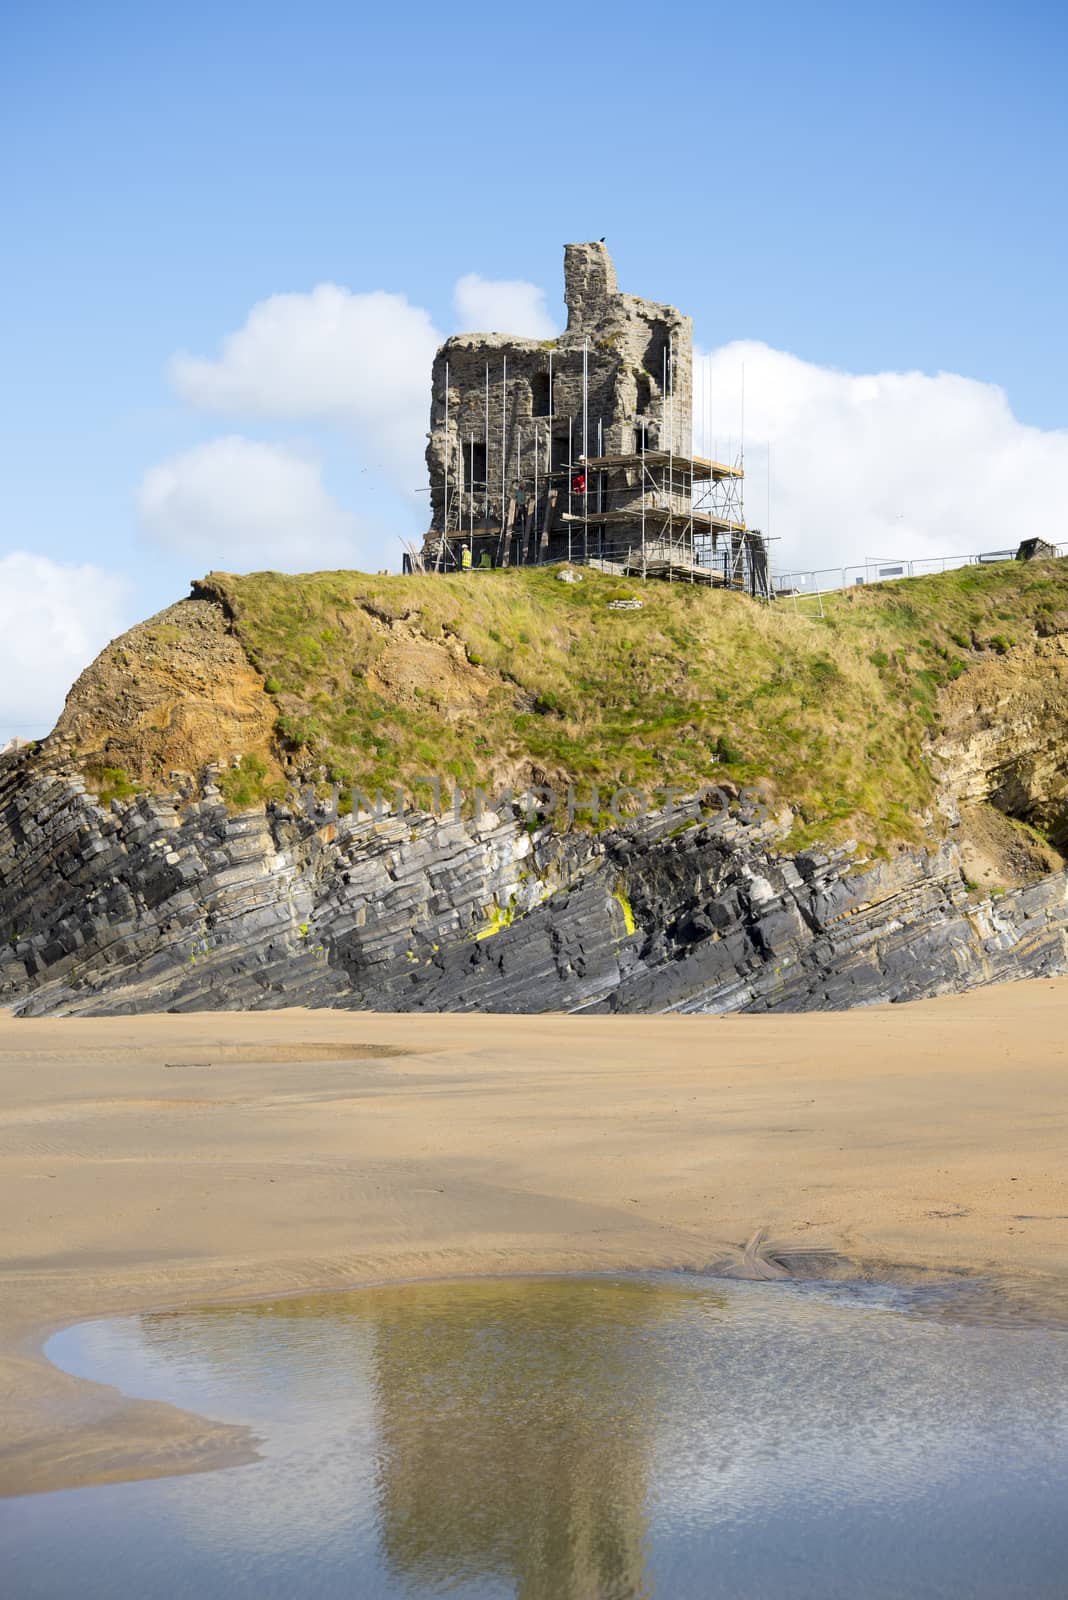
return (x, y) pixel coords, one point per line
(540, 395)
(475, 462)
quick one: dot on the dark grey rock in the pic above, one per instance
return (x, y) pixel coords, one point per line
(165, 904)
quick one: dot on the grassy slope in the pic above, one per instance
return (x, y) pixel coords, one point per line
(832, 715)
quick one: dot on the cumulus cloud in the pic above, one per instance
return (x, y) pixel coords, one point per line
(485, 305)
(53, 620)
(890, 464)
(355, 361)
(361, 361)
(236, 502)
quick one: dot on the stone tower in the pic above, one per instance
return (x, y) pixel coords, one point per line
(577, 448)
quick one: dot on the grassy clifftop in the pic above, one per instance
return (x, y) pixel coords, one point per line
(513, 676)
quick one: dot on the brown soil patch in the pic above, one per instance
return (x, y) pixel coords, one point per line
(171, 695)
(411, 667)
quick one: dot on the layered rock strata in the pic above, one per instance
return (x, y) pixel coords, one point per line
(174, 904)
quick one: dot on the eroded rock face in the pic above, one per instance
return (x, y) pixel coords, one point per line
(1005, 734)
(159, 904)
(172, 694)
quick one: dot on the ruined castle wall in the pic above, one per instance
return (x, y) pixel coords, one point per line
(624, 338)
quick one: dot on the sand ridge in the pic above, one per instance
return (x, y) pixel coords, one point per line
(175, 1160)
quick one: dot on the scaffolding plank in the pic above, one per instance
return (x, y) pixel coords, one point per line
(700, 520)
(696, 466)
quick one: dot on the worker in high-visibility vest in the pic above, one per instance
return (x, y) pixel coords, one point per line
(465, 558)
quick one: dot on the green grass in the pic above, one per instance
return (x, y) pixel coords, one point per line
(247, 784)
(110, 783)
(513, 676)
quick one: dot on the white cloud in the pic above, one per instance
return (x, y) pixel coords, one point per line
(239, 503)
(883, 464)
(53, 620)
(361, 361)
(358, 361)
(485, 305)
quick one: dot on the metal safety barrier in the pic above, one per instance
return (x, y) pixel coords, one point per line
(816, 581)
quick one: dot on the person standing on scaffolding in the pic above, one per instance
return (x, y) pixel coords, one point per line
(465, 558)
(519, 496)
(578, 487)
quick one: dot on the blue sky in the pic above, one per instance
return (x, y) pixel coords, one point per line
(864, 190)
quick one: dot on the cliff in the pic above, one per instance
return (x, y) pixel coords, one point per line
(890, 799)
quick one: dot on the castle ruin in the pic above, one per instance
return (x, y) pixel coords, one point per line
(580, 448)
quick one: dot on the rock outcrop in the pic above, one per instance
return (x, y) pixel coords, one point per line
(144, 866)
(160, 903)
(1005, 730)
(170, 695)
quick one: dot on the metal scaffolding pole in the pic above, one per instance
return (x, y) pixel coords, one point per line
(504, 442)
(519, 479)
(664, 440)
(585, 449)
(570, 474)
(552, 416)
(664, 429)
(691, 408)
(768, 535)
(485, 460)
(645, 487)
(741, 458)
(670, 356)
(532, 533)
(445, 508)
(600, 485)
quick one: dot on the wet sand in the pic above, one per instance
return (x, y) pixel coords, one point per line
(177, 1160)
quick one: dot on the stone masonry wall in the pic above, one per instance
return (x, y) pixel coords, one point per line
(624, 338)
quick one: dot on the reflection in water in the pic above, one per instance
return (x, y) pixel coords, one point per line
(577, 1439)
(516, 1430)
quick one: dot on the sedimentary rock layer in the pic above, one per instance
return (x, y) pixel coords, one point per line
(165, 903)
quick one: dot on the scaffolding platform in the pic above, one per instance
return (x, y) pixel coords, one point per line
(698, 468)
(700, 521)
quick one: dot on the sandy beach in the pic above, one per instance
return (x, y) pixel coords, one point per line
(161, 1161)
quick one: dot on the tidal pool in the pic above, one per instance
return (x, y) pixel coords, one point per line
(593, 1438)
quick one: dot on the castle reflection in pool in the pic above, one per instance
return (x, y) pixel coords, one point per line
(577, 1439)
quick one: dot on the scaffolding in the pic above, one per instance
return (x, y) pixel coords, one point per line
(651, 512)
(654, 514)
